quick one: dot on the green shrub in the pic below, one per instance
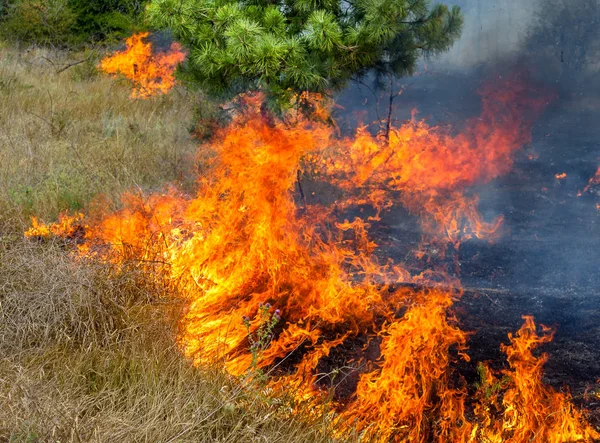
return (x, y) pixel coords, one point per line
(107, 19)
(3, 7)
(69, 22)
(46, 22)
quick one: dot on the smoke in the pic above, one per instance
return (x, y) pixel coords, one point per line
(557, 40)
(493, 30)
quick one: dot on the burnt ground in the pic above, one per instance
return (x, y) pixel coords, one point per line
(547, 266)
(574, 354)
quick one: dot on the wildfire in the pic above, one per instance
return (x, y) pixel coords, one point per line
(595, 180)
(560, 176)
(243, 247)
(532, 412)
(151, 74)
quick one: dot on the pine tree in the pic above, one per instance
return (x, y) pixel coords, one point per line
(284, 47)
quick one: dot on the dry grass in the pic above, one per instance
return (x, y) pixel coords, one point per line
(89, 354)
(65, 137)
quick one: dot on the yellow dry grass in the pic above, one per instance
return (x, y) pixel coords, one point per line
(65, 137)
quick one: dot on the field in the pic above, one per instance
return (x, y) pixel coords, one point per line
(89, 354)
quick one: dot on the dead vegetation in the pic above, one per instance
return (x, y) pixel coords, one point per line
(68, 135)
(90, 355)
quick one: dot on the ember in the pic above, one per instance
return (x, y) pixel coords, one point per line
(242, 242)
(151, 74)
(595, 180)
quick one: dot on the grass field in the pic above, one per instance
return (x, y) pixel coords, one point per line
(89, 354)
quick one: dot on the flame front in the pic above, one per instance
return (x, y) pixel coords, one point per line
(243, 241)
(532, 412)
(151, 74)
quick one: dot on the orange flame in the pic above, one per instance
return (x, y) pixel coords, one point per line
(431, 167)
(560, 176)
(595, 180)
(152, 74)
(395, 401)
(532, 412)
(242, 242)
(67, 227)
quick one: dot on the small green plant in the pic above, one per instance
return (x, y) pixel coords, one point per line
(488, 385)
(87, 70)
(260, 338)
(26, 436)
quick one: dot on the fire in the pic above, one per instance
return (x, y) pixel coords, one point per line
(595, 180)
(151, 74)
(560, 176)
(243, 247)
(429, 169)
(531, 411)
(411, 384)
(68, 226)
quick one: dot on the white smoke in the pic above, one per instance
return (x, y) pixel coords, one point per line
(493, 30)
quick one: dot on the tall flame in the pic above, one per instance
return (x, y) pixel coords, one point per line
(243, 242)
(151, 74)
(432, 168)
(532, 412)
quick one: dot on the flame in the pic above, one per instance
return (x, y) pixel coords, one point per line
(560, 176)
(531, 412)
(152, 74)
(595, 180)
(68, 226)
(395, 401)
(243, 242)
(432, 167)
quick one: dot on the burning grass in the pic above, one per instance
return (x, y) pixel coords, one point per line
(243, 242)
(89, 354)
